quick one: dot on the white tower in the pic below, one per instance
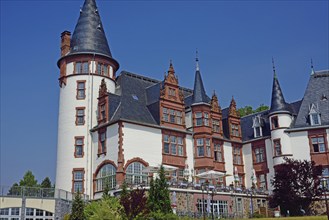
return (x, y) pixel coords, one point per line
(85, 61)
(280, 119)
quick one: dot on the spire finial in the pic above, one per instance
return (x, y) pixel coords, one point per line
(273, 66)
(197, 60)
(312, 67)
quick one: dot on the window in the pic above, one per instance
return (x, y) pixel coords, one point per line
(102, 142)
(325, 177)
(134, 173)
(78, 152)
(102, 69)
(257, 123)
(80, 116)
(218, 152)
(29, 211)
(257, 132)
(198, 118)
(277, 147)
(81, 89)
(206, 119)
(102, 111)
(237, 155)
(81, 67)
(215, 125)
(78, 178)
(318, 144)
(172, 116)
(173, 145)
(106, 176)
(14, 211)
(165, 114)
(208, 147)
(39, 212)
(259, 154)
(49, 213)
(179, 117)
(4, 211)
(274, 122)
(262, 181)
(200, 148)
(235, 130)
(315, 119)
(172, 92)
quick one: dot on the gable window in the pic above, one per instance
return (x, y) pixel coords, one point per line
(173, 145)
(78, 180)
(274, 122)
(134, 173)
(259, 154)
(78, 147)
(237, 159)
(172, 92)
(102, 142)
(215, 125)
(172, 116)
(102, 112)
(277, 147)
(200, 147)
(206, 119)
(235, 130)
(198, 118)
(81, 67)
(218, 152)
(318, 144)
(81, 89)
(106, 176)
(80, 116)
(314, 115)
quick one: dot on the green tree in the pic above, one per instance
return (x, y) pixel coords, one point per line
(261, 108)
(28, 180)
(248, 110)
(107, 208)
(296, 183)
(77, 208)
(46, 183)
(159, 198)
(15, 190)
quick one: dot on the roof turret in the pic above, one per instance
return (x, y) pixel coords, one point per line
(199, 93)
(89, 35)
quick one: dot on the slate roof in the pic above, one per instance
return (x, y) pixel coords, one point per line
(317, 93)
(278, 104)
(89, 35)
(199, 93)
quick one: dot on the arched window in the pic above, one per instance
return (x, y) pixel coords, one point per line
(134, 173)
(106, 175)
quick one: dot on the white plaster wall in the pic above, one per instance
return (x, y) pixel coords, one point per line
(248, 164)
(67, 129)
(69, 68)
(284, 119)
(188, 119)
(228, 155)
(143, 142)
(190, 154)
(112, 146)
(300, 145)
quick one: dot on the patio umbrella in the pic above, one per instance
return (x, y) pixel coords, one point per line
(155, 169)
(211, 174)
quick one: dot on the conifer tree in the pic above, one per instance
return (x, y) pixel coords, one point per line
(77, 208)
(46, 183)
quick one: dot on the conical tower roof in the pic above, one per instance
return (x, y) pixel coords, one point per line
(199, 93)
(89, 35)
(278, 104)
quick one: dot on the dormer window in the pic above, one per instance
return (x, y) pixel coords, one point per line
(235, 130)
(257, 125)
(314, 115)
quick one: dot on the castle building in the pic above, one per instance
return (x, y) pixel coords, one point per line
(112, 126)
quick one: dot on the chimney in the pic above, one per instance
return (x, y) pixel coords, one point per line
(65, 42)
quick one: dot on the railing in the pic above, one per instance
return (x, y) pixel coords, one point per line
(37, 192)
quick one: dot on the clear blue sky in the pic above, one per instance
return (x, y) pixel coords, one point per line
(236, 41)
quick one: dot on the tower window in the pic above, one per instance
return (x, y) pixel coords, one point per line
(80, 116)
(275, 122)
(206, 119)
(81, 89)
(208, 147)
(198, 118)
(81, 67)
(200, 147)
(78, 180)
(78, 151)
(277, 147)
(102, 69)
